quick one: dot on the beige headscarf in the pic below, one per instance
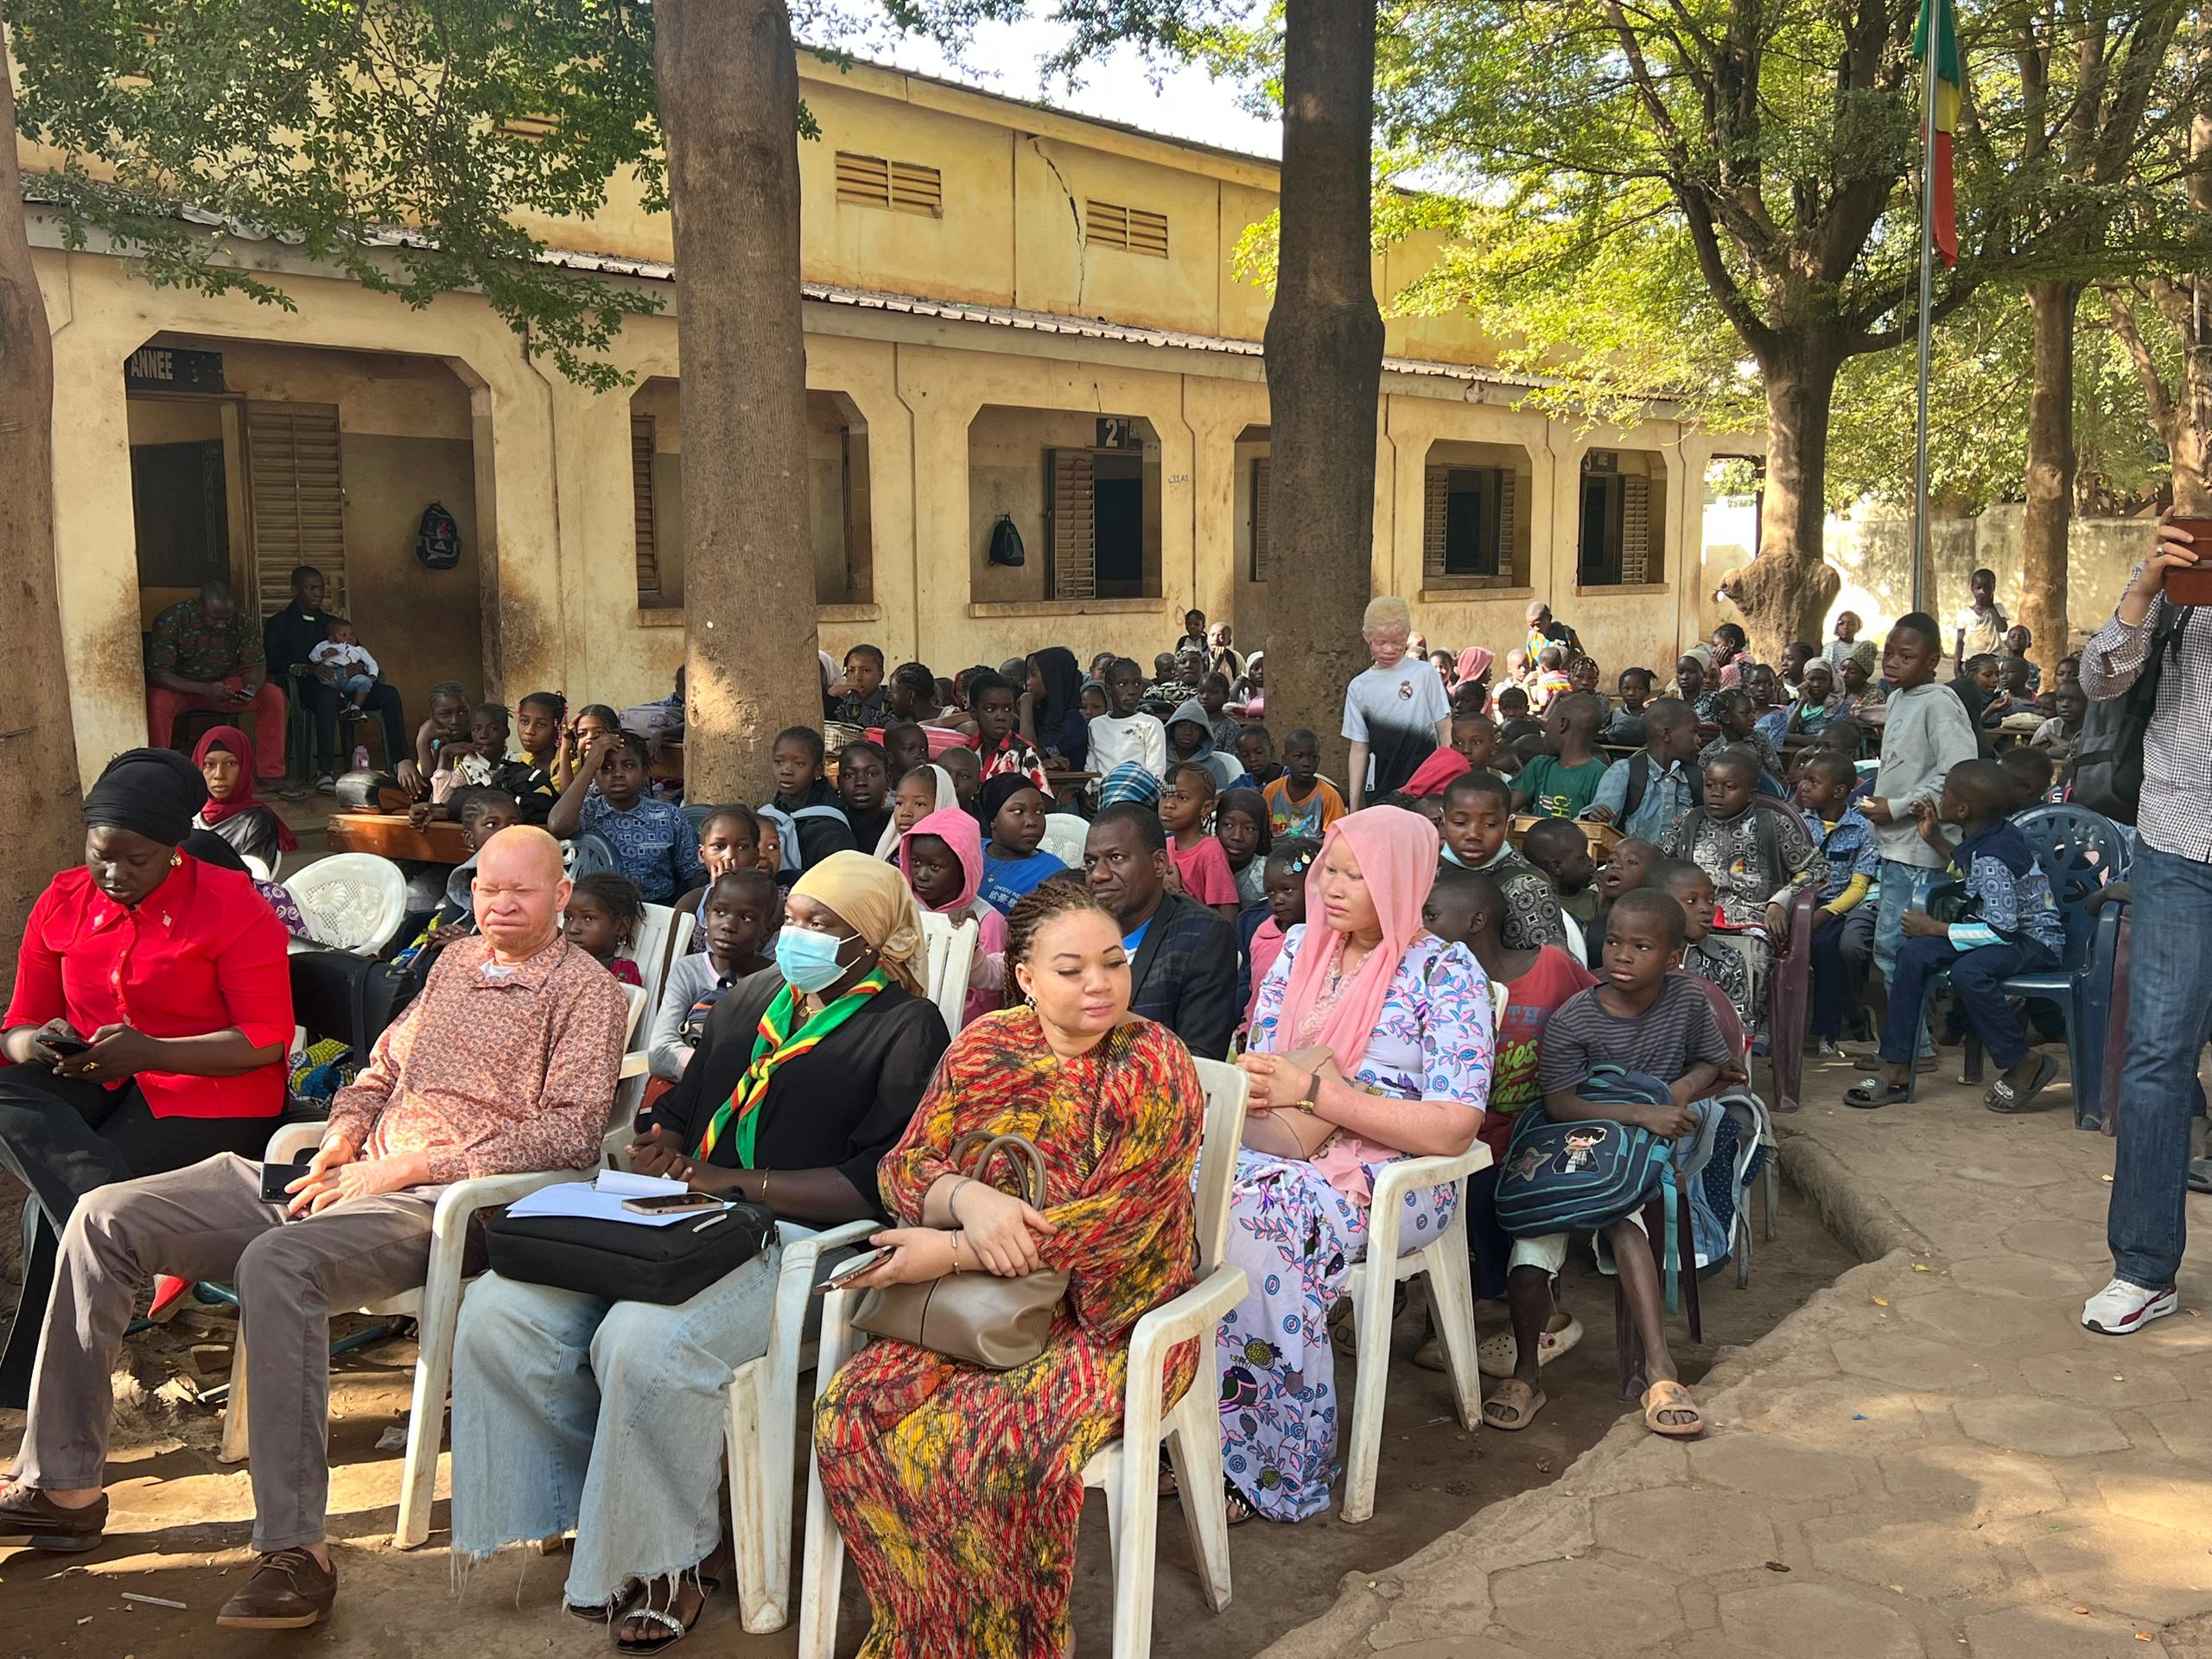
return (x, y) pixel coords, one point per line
(873, 897)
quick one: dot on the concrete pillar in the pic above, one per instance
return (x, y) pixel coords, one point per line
(517, 529)
(595, 550)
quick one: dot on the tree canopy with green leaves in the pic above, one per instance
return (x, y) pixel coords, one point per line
(1715, 202)
(402, 144)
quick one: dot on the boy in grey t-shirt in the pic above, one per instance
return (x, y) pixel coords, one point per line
(1396, 714)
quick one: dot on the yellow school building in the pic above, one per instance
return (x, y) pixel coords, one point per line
(1012, 313)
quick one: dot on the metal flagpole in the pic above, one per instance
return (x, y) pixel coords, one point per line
(1920, 522)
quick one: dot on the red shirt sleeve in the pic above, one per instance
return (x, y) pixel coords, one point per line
(37, 996)
(254, 972)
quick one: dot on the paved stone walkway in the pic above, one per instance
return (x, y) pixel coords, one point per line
(1931, 1458)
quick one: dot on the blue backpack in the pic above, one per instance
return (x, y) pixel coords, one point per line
(1568, 1178)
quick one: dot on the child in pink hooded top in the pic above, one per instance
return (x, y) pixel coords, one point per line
(942, 858)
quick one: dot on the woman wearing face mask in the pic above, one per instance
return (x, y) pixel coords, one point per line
(804, 1079)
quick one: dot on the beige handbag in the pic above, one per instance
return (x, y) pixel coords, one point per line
(1294, 1131)
(995, 1323)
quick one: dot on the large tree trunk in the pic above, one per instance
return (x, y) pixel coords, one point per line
(729, 85)
(38, 746)
(1784, 594)
(2050, 468)
(1325, 369)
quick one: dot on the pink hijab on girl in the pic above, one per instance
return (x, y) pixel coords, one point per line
(959, 831)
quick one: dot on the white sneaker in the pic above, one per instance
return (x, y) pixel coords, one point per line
(2121, 1309)
(326, 785)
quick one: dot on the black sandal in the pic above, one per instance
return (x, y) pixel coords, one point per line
(676, 1630)
(2004, 1097)
(1874, 1093)
(610, 1610)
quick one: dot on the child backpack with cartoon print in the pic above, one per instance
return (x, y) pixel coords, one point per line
(1565, 1178)
(437, 539)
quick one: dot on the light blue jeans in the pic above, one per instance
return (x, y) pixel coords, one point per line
(570, 1411)
(2169, 1021)
(1900, 880)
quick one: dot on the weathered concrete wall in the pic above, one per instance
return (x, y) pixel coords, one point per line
(1871, 551)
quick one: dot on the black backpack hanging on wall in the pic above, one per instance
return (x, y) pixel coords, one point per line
(1005, 542)
(2108, 774)
(437, 542)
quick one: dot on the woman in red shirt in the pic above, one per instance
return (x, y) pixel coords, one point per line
(152, 1009)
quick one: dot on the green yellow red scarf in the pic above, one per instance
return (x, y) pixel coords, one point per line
(773, 1043)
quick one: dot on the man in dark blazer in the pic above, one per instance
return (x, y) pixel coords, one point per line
(1182, 954)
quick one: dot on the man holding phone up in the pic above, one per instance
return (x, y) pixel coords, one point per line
(2168, 1016)
(505, 1063)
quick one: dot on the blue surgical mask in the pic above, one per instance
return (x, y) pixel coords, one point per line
(1453, 857)
(808, 959)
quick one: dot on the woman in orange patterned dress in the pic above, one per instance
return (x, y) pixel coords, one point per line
(958, 1489)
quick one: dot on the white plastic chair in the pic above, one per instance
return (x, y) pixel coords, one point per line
(1065, 835)
(1126, 1470)
(1451, 1301)
(435, 1308)
(350, 901)
(950, 966)
(649, 948)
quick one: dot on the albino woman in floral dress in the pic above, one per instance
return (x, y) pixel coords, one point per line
(1406, 1018)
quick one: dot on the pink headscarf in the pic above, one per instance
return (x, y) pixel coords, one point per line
(958, 830)
(1474, 663)
(1397, 851)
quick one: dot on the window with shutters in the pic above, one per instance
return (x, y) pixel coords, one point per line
(295, 499)
(1262, 475)
(1133, 230)
(1619, 541)
(1074, 516)
(649, 597)
(879, 182)
(1470, 527)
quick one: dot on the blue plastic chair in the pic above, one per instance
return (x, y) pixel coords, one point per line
(2081, 852)
(589, 854)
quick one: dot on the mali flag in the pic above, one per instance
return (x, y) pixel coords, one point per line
(1936, 43)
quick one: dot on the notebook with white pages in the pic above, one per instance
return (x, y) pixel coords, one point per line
(602, 1199)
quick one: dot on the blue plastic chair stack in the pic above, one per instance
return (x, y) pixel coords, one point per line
(2080, 852)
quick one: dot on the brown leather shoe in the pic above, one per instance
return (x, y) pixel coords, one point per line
(288, 1592)
(30, 1516)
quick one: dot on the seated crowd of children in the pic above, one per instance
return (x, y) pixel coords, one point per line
(1724, 793)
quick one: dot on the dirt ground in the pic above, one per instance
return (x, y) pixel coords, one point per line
(182, 1519)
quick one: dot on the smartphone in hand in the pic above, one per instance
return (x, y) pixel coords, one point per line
(276, 1178)
(846, 1271)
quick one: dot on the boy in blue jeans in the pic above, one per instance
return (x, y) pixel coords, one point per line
(1925, 733)
(2010, 926)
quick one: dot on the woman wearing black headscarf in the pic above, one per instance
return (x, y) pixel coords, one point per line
(151, 1011)
(1052, 717)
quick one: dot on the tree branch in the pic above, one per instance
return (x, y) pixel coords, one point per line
(2157, 396)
